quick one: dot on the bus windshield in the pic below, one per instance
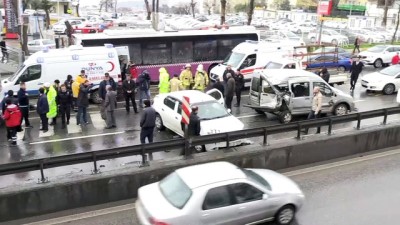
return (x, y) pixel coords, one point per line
(234, 59)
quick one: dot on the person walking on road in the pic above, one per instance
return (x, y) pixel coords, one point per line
(23, 102)
(147, 124)
(110, 105)
(175, 83)
(357, 44)
(229, 91)
(355, 70)
(316, 107)
(395, 59)
(163, 85)
(324, 74)
(102, 87)
(51, 94)
(143, 82)
(219, 86)
(68, 83)
(64, 99)
(201, 79)
(227, 70)
(42, 108)
(194, 127)
(186, 77)
(4, 51)
(83, 103)
(12, 116)
(239, 83)
(129, 90)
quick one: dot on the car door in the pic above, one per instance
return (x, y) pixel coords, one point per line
(316, 62)
(168, 112)
(215, 93)
(327, 95)
(252, 203)
(326, 36)
(218, 208)
(388, 55)
(396, 81)
(301, 96)
(268, 96)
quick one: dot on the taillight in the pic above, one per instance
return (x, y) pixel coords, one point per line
(157, 222)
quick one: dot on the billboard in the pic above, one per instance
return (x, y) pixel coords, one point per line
(324, 7)
(11, 21)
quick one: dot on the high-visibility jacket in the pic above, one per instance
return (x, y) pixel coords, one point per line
(186, 78)
(80, 79)
(51, 100)
(75, 89)
(200, 81)
(175, 84)
(164, 81)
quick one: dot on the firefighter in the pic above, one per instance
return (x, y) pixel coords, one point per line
(186, 77)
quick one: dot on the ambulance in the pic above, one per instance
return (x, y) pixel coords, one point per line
(56, 64)
(251, 55)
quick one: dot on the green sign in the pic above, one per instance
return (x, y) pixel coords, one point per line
(352, 7)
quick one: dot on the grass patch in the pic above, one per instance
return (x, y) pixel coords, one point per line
(365, 46)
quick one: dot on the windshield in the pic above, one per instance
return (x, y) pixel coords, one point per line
(234, 59)
(175, 190)
(22, 67)
(377, 49)
(391, 70)
(211, 110)
(253, 176)
(273, 65)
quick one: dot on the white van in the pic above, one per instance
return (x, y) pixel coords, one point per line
(49, 65)
(251, 55)
(286, 92)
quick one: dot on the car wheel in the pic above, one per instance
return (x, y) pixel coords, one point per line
(259, 111)
(340, 110)
(285, 215)
(388, 89)
(334, 42)
(95, 97)
(378, 63)
(342, 69)
(312, 40)
(159, 123)
(285, 117)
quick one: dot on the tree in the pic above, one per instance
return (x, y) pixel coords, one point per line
(193, 7)
(223, 11)
(107, 4)
(282, 4)
(23, 35)
(46, 6)
(385, 12)
(208, 4)
(397, 26)
(250, 13)
(146, 2)
(77, 8)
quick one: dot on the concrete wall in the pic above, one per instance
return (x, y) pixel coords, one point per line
(74, 192)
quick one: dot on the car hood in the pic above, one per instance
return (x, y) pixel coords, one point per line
(366, 53)
(376, 77)
(218, 70)
(155, 203)
(279, 183)
(220, 125)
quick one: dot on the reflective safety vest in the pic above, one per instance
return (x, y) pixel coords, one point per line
(164, 81)
(186, 78)
(200, 81)
(51, 99)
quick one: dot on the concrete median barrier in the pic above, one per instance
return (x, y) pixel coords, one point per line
(75, 191)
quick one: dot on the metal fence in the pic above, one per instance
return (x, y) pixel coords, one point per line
(187, 144)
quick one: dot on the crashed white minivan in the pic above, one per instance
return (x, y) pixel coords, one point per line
(286, 93)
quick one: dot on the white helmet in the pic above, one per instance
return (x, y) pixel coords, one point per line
(46, 85)
(200, 68)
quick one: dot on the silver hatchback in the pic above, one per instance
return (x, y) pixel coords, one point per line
(219, 193)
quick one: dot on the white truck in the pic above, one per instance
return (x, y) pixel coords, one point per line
(51, 64)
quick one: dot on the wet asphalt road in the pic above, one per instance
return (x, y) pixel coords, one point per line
(33, 144)
(354, 191)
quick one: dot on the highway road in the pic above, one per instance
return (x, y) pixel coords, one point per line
(34, 144)
(361, 190)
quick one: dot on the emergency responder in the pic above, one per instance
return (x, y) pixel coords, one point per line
(201, 79)
(186, 77)
(164, 81)
(175, 83)
(51, 94)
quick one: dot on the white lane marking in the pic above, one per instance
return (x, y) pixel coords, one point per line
(75, 138)
(247, 116)
(97, 121)
(73, 128)
(86, 215)
(49, 133)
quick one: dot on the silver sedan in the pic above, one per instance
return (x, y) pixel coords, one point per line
(219, 193)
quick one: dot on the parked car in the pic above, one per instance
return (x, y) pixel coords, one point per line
(379, 55)
(301, 28)
(288, 92)
(61, 28)
(213, 115)
(219, 193)
(340, 51)
(370, 37)
(328, 36)
(350, 34)
(329, 61)
(386, 80)
(40, 44)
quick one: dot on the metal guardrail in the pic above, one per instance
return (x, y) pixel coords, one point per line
(187, 144)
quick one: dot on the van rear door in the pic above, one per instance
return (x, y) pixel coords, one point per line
(123, 52)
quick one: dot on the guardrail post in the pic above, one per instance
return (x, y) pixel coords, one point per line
(265, 140)
(385, 116)
(227, 140)
(144, 156)
(189, 148)
(298, 131)
(95, 170)
(330, 126)
(43, 179)
(358, 121)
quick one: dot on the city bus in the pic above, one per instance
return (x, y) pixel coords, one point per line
(150, 50)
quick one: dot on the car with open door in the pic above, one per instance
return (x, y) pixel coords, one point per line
(286, 93)
(214, 117)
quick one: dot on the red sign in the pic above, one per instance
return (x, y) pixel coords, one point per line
(185, 110)
(324, 7)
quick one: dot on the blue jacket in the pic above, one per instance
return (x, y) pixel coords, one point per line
(102, 87)
(143, 82)
(42, 105)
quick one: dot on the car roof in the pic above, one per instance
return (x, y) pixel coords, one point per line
(279, 76)
(209, 173)
(194, 96)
